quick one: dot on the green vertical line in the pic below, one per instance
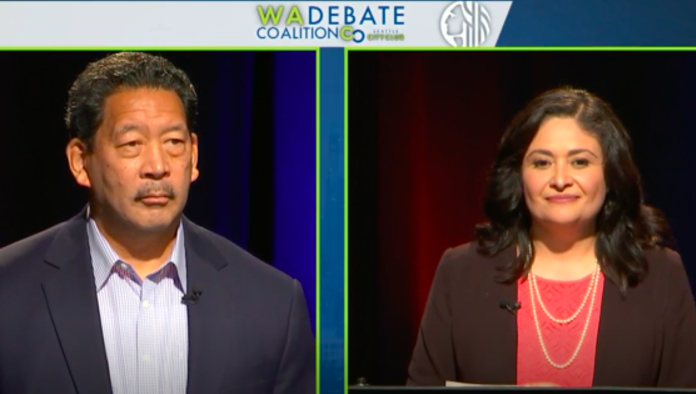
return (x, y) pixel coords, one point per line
(364, 48)
(318, 221)
(345, 219)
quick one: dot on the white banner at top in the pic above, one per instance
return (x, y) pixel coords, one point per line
(251, 24)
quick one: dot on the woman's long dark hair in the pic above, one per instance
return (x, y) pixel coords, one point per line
(625, 226)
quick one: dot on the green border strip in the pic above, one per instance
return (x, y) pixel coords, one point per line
(345, 219)
(317, 336)
(160, 49)
(522, 49)
(348, 49)
(352, 48)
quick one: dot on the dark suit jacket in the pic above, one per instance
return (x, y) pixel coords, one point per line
(249, 333)
(647, 338)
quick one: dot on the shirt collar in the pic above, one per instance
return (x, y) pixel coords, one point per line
(104, 257)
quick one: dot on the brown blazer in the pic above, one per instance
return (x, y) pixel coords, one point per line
(646, 338)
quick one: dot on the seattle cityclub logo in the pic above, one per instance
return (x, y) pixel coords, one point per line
(465, 24)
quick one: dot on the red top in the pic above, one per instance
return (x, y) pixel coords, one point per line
(561, 299)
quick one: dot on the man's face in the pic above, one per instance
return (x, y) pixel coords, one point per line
(143, 159)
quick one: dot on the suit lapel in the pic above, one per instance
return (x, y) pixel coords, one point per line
(504, 338)
(211, 324)
(495, 345)
(489, 351)
(611, 337)
(72, 302)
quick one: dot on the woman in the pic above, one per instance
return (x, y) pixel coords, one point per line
(571, 282)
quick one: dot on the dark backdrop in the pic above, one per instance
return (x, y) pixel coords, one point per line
(257, 129)
(423, 131)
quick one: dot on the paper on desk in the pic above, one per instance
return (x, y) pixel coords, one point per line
(449, 383)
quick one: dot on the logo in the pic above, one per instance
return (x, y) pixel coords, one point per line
(465, 24)
(345, 23)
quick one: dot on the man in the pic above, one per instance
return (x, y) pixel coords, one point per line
(129, 296)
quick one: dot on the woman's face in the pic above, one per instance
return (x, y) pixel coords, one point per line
(563, 175)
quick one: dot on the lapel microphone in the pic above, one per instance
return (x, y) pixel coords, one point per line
(192, 297)
(511, 307)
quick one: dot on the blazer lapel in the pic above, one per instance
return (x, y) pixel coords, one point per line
(489, 351)
(612, 337)
(211, 319)
(72, 302)
(503, 341)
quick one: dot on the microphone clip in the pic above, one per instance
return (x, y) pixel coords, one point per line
(511, 307)
(192, 297)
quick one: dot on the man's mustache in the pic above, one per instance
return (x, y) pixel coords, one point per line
(155, 189)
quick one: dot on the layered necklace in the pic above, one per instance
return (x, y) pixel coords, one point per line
(591, 293)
